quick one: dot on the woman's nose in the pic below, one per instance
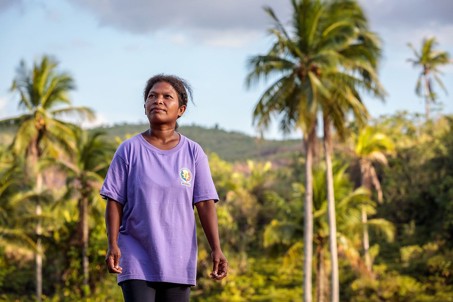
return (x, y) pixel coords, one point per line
(158, 100)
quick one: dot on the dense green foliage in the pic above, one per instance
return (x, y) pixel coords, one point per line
(261, 227)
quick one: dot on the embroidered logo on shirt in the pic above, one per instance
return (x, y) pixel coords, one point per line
(186, 176)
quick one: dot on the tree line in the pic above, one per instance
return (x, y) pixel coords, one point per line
(364, 211)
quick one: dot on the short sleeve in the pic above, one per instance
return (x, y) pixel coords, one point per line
(115, 182)
(204, 188)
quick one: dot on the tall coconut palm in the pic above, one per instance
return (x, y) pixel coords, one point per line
(429, 60)
(370, 149)
(318, 68)
(292, 98)
(43, 94)
(85, 171)
(354, 52)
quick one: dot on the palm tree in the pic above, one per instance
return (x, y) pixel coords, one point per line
(319, 68)
(370, 149)
(85, 172)
(292, 98)
(354, 52)
(429, 60)
(43, 93)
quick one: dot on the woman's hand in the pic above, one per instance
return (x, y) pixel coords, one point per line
(112, 260)
(220, 265)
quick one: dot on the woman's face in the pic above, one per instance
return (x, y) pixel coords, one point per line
(162, 104)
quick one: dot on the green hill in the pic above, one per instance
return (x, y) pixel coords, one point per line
(230, 146)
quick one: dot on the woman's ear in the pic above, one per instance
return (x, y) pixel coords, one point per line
(181, 110)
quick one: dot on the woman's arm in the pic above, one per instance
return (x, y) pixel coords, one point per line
(113, 215)
(208, 218)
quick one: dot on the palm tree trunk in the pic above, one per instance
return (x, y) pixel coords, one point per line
(376, 184)
(366, 241)
(85, 236)
(33, 155)
(427, 97)
(308, 216)
(39, 252)
(366, 173)
(321, 284)
(335, 292)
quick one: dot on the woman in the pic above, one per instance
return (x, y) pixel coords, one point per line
(153, 183)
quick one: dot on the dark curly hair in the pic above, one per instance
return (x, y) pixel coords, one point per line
(181, 86)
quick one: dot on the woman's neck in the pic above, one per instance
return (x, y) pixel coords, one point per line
(162, 138)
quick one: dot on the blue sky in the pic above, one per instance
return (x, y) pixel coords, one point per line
(111, 47)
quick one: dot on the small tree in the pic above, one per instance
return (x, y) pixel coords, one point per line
(370, 149)
(429, 60)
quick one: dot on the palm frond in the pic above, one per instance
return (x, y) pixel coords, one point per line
(383, 227)
(24, 136)
(265, 67)
(440, 83)
(277, 22)
(277, 232)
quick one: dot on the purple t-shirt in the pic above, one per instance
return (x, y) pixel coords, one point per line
(158, 190)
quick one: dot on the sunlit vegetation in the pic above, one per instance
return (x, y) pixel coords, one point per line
(392, 177)
(261, 224)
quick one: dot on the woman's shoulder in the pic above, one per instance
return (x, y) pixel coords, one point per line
(129, 144)
(130, 141)
(190, 142)
(192, 145)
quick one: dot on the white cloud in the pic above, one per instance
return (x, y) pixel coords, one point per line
(229, 38)
(178, 39)
(100, 120)
(408, 14)
(144, 16)
(232, 23)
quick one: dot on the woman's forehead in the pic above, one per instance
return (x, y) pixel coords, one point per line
(163, 86)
